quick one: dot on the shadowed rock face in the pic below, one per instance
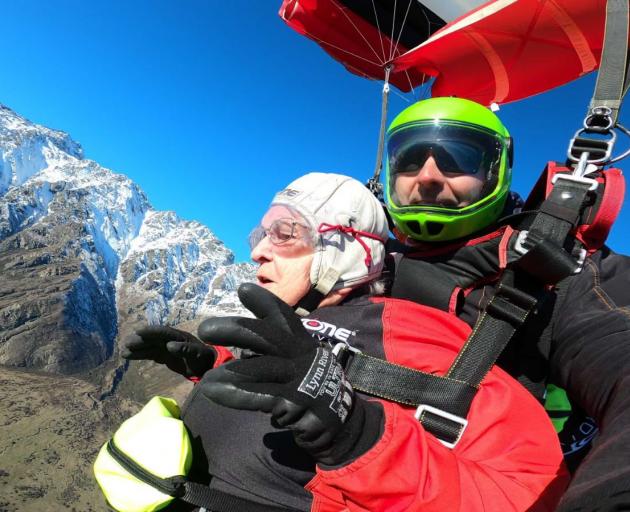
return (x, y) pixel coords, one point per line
(54, 315)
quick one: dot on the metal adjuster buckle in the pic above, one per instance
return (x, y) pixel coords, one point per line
(593, 184)
(446, 415)
(340, 348)
(520, 239)
(580, 261)
(522, 250)
(579, 145)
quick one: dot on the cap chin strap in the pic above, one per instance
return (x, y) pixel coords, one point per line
(356, 234)
(317, 293)
(326, 283)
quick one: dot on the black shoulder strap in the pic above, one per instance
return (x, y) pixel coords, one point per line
(545, 256)
(443, 402)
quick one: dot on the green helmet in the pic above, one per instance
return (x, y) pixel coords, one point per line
(464, 138)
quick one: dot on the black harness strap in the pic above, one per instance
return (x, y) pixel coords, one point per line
(506, 311)
(190, 492)
(309, 302)
(611, 86)
(412, 387)
(543, 246)
(444, 402)
(544, 257)
(217, 501)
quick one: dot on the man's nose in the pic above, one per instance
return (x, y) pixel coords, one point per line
(430, 172)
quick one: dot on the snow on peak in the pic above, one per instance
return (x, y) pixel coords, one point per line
(110, 206)
(27, 148)
(180, 269)
(163, 268)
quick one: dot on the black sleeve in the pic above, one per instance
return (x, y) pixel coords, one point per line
(590, 359)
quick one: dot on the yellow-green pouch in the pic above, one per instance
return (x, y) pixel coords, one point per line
(143, 467)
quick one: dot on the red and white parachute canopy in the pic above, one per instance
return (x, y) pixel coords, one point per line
(491, 52)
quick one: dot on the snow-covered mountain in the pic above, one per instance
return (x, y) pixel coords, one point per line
(84, 256)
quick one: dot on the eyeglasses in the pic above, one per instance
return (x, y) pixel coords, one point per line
(280, 232)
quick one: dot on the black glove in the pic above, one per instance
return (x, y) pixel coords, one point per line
(295, 379)
(180, 351)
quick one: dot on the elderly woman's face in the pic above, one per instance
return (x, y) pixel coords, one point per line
(284, 255)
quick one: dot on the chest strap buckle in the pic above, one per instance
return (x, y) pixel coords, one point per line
(424, 412)
(342, 351)
(520, 248)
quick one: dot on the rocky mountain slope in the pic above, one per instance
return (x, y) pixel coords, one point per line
(84, 258)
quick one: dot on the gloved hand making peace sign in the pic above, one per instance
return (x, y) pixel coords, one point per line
(294, 378)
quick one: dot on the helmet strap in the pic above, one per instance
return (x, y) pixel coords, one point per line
(330, 278)
(309, 302)
(317, 293)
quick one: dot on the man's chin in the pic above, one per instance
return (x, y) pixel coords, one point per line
(435, 203)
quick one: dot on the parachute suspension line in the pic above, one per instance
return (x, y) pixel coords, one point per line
(378, 27)
(374, 184)
(402, 96)
(391, 37)
(402, 27)
(358, 31)
(413, 93)
(326, 43)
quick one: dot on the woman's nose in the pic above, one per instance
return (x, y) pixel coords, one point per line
(262, 251)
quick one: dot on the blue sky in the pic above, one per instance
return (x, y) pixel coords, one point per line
(212, 106)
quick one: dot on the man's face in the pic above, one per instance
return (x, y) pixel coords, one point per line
(284, 268)
(428, 185)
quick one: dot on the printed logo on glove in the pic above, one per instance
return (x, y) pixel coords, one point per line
(294, 378)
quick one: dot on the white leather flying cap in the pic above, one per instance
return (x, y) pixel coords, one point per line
(344, 214)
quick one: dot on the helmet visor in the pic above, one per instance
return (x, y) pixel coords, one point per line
(456, 149)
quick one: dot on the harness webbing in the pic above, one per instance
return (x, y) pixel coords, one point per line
(412, 387)
(542, 261)
(547, 236)
(309, 302)
(191, 492)
(595, 141)
(546, 256)
(217, 501)
(612, 79)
